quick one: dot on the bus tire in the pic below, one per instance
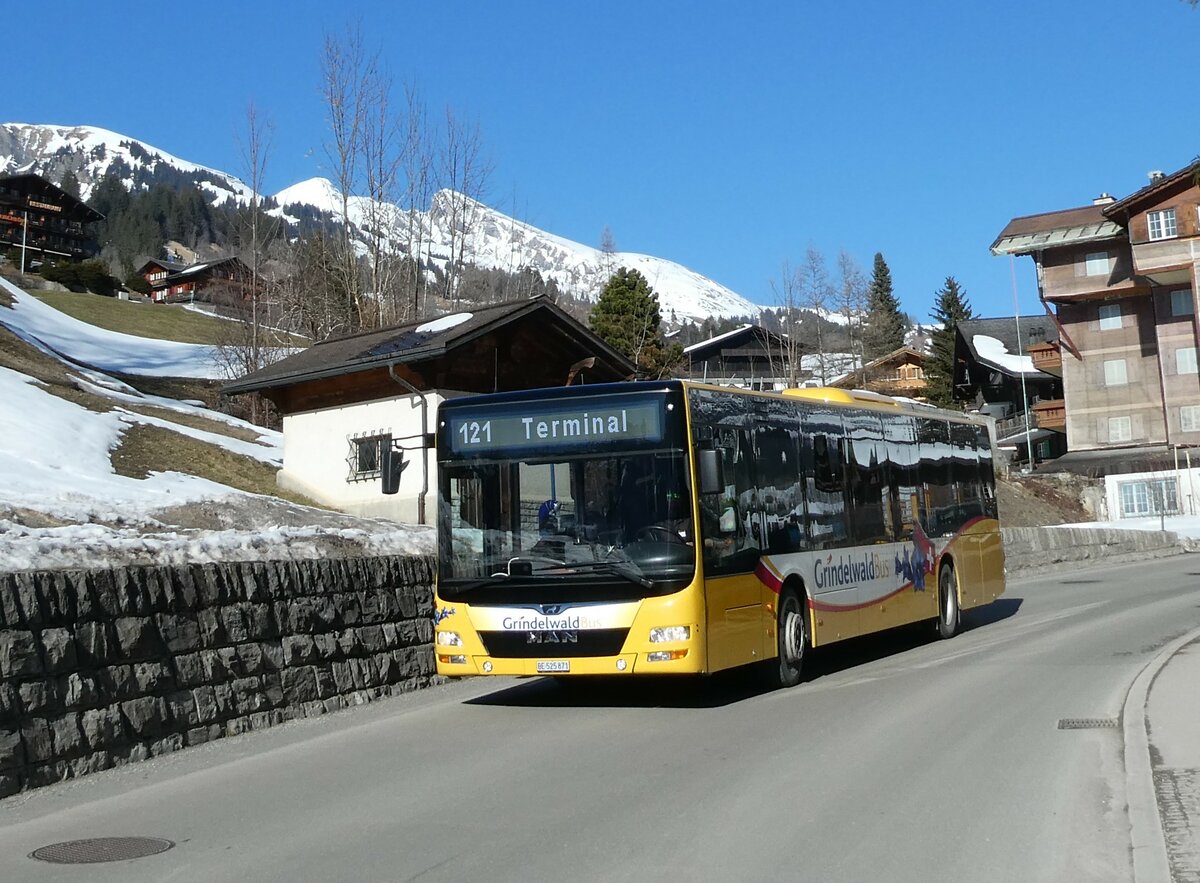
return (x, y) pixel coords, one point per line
(949, 614)
(792, 641)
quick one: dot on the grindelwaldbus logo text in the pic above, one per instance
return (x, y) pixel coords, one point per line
(538, 623)
(849, 570)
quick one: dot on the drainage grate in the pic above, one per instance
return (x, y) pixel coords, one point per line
(1088, 723)
(1078, 582)
(101, 849)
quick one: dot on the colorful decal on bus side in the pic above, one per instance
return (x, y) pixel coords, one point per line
(857, 567)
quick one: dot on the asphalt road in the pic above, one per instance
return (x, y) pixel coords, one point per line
(901, 759)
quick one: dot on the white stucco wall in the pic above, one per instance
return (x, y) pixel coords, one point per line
(316, 445)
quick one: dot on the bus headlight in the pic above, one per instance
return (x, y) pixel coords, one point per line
(449, 639)
(670, 633)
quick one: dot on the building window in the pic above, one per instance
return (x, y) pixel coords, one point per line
(1160, 495)
(1185, 360)
(1096, 263)
(1189, 418)
(1161, 224)
(1120, 429)
(363, 457)
(1114, 372)
(1181, 302)
(1110, 317)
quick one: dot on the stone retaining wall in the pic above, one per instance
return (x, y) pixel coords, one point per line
(1028, 550)
(104, 667)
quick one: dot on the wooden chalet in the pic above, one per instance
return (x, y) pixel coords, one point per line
(226, 279)
(343, 398)
(899, 373)
(44, 220)
(750, 356)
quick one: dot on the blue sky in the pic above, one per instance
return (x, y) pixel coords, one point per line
(727, 137)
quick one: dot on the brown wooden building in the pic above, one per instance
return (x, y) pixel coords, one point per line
(225, 279)
(43, 219)
(345, 397)
(899, 373)
(1121, 278)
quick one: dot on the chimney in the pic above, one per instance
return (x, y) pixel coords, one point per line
(1154, 176)
(1104, 199)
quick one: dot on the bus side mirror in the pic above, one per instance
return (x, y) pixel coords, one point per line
(711, 479)
(391, 465)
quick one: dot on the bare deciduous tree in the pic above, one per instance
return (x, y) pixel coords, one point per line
(851, 299)
(790, 348)
(815, 294)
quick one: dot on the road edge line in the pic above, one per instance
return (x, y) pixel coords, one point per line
(1150, 862)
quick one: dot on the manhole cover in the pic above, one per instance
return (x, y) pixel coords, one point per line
(101, 849)
(1088, 723)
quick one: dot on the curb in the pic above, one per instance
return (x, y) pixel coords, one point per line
(1150, 863)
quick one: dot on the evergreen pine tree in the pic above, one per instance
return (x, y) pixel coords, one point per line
(885, 324)
(950, 308)
(627, 318)
(70, 183)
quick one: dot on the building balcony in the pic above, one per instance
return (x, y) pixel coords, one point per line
(1051, 414)
(1167, 261)
(1046, 358)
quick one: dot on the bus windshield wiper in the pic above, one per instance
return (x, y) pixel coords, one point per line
(614, 567)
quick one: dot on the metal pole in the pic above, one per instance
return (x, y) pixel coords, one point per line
(1012, 265)
(24, 239)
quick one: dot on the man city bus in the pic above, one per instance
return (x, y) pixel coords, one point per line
(683, 528)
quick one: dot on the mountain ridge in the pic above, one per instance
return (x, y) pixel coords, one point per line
(495, 241)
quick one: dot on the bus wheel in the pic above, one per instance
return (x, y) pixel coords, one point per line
(792, 642)
(948, 613)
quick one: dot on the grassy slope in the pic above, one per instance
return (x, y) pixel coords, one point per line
(157, 321)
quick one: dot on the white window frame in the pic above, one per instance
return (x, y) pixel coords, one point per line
(1120, 429)
(1182, 303)
(1096, 264)
(1189, 418)
(1110, 317)
(1161, 224)
(1185, 360)
(1138, 498)
(1114, 375)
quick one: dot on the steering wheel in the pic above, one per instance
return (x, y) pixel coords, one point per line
(657, 533)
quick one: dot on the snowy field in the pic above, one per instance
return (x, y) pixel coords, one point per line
(1180, 525)
(63, 505)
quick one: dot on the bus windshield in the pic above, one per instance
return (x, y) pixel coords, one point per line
(615, 524)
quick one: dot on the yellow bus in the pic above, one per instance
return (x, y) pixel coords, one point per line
(684, 528)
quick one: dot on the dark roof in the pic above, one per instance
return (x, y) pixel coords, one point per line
(1047, 221)
(74, 205)
(737, 337)
(419, 341)
(1113, 461)
(172, 266)
(1038, 328)
(1123, 208)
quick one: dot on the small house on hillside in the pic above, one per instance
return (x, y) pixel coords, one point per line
(750, 356)
(345, 398)
(170, 282)
(899, 373)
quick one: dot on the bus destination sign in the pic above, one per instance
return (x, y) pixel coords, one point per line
(555, 425)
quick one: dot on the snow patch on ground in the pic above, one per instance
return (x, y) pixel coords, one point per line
(62, 505)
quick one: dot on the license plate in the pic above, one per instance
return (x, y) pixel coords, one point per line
(554, 666)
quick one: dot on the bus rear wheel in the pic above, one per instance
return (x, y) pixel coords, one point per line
(792, 640)
(948, 612)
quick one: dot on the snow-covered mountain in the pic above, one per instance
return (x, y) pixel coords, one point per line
(495, 239)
